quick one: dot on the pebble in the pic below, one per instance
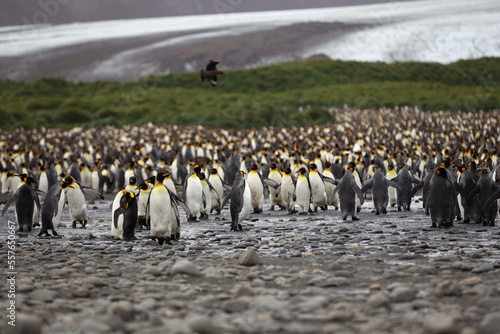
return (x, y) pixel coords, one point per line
(185, 267)
(490, 324)
(201, 324)
(249, 258)
(441, 324)
(402, 294)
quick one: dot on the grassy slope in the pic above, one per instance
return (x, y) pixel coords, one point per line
(253, 97)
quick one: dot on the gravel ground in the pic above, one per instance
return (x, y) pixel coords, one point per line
(281, 274)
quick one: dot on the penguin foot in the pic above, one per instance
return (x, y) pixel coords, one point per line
(239, 227)
(433, 225)
(492, 223)
(191, 219)
(303, 213)
(177, 236)
(466, 221)
(36, 224)
(358, 209)
(384, 211)
(272, 208)
(84, 224)
(257, 210)
(377, 213)
(324, 207)
(459, 217)
(44, 232)
(74, 224)
(355, 218)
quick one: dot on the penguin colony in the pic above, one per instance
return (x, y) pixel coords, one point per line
(450, 159)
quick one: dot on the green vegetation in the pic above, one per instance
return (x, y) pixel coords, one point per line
(287, 94)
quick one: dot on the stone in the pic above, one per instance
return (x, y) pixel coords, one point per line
(490, 324)
(441, 324)
(28, 324)
(249, 258)
(201, 324)
(81, 293)
(402, 295)
(242, 290)
(152, 270)
(44, 295)
(185, 267)
(378, 299)
(123, 309)
(235, 306)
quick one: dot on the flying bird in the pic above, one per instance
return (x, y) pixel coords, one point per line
(210, 73)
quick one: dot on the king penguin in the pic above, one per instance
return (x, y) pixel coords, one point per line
(206, 205)
(391, 174)
(330, 187)
(142, 204)
(303, 191)
(288, 191)
(76, 200)
(160, 211)
(348, 190)
(256, 188)
(380, 190)
(240, 201)
(440, 199)
(52, 209)
(318, 188)
(26, 199)
(124, 217)
(193, 193)
(215, 180)
(275, 193)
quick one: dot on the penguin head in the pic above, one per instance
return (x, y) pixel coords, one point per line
(201, 176)
(254, 167)
(160, 177)
(313, 166)
(213, 171)
(142, 186)
(273, 165)
(67, 182)
(132, 180)
(484, 171)
(29, 180)
(287, 171)
(441, 171)
(197, 169)
(242, 173)
(302, 171)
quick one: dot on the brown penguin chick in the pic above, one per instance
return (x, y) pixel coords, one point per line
(210, 73)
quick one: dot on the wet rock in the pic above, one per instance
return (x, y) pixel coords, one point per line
(249, 258)
(242, 290)
(490, 324)
(403, 294)
(28, 324)
(185, 267)
(81, 293)
(201, 324)
(378, 300)
(235, 306)
(43, 295)
(441, 324)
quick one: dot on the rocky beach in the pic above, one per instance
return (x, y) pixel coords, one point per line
(281, 274)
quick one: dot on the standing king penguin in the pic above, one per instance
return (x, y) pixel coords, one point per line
(26, 199)
(240, 201)
(52, 208)
(193, 192)
(124, 211)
